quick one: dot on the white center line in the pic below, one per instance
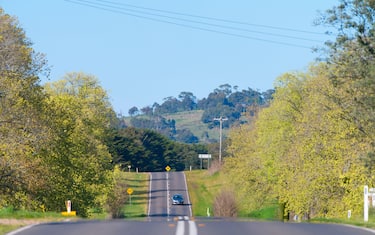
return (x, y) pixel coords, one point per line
(192, 228)
(180, 228)
(168, 196)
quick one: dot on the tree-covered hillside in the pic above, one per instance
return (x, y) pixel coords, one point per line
(226, 101)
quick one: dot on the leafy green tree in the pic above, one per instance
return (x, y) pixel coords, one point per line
(188, 101)
(133, 111)
(23, 133)
(148, 150)
(300, 152)
(352, 60)
(79, 159)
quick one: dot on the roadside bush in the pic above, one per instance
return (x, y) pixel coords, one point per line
(117, 196)
(225, 204)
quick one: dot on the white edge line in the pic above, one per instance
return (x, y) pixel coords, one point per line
(361, 228)
(188, 196)
(21, 229)
(149, 195)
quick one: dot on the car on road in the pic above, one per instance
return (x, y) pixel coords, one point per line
(177, 199)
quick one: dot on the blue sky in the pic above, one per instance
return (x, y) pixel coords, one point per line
(143, 51)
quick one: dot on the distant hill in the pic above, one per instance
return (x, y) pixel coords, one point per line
(189, 120)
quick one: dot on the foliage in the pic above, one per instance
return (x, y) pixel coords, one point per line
(352, 59)
(221, 102)
(312, 148)
(148, 150)
(117, 195)
(300, 151)
(23, 133)
(78, 158)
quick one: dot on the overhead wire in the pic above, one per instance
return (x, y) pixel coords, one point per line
(204, 23)
(212, 18)
(172, 20)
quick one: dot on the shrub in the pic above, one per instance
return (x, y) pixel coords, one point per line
(117, 196)
(225, 204)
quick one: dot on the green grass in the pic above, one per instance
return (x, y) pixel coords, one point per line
(190, 120)
(9, 212)
(271, 212)
(137, 206)
(203, 187)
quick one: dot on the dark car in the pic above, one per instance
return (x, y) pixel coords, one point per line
(177, 199)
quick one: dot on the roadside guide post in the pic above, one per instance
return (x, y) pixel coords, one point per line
(130, 192)
(365, 204)
(68, 212)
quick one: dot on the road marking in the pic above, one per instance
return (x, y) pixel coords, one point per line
(188, 197)
(192, 228)
(168, 201)
(21, 229)
(180, 230)
(149, 195)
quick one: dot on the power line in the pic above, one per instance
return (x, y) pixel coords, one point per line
(199, 22)
(213, 18)
(125, 11)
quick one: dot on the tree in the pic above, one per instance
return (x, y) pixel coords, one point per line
(78, 156)
(352, 59)
(133, 111)
(300, 151)
(188, 101)
(23, 132)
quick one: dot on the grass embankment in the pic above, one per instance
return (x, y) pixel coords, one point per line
(203, 187)
(137, 204)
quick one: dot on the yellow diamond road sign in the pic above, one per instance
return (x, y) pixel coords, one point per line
(130, 191)
(167, 168)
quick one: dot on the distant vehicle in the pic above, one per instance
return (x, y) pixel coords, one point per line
(177, 199)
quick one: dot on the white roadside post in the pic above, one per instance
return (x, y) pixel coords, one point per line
(68, 206)
(365, 203)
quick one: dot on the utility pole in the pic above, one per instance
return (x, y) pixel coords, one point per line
(220, 119)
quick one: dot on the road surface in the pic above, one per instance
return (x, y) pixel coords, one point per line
(167, 219)
(162, 186)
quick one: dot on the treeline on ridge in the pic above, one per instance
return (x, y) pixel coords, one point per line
(225, 101)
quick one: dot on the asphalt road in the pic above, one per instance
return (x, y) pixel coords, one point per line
(167, 219)
(162, 187)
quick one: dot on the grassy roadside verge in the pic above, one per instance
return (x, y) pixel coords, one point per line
(13, 219)
(136, 206)
(203, 187)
